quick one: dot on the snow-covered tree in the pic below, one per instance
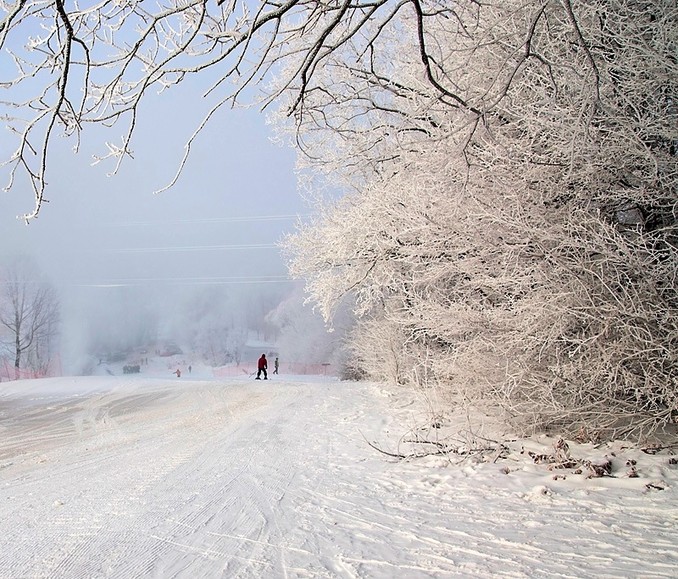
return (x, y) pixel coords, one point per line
(303, 337)
(517, 243)
(29, 311)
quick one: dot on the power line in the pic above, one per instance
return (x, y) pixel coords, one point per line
(186, 248)
(206, 220)
(135, 282)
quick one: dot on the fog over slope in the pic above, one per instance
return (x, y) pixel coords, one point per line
(133, 268)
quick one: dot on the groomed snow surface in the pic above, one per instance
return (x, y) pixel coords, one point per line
(133, 476)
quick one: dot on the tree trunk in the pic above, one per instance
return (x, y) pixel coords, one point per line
(17, 357)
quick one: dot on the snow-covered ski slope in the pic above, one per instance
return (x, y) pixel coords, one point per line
(137, 477)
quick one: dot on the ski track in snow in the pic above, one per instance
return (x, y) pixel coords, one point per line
(188, 479)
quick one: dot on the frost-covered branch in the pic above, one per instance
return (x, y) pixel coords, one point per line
(70, 67)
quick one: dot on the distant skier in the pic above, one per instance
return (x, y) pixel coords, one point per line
(275, 365)
(177, 372)
(262, 365)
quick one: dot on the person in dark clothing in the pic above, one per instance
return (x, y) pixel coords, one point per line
(275, 365)
(262, 365)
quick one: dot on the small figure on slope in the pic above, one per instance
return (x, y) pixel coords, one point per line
(262, 365)
(177, 372)
(275, 365)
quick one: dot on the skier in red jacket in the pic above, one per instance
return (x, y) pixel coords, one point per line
(262, 365)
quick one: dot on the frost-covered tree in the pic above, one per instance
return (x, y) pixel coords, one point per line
(29, 311)
(516, 243)
(302, 336)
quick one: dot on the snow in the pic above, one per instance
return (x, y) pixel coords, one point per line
(158, 476)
